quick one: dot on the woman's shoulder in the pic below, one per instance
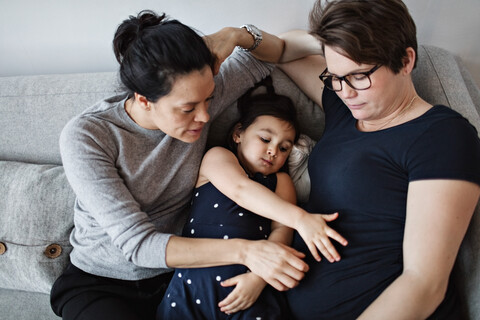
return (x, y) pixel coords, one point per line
(94, 124)
(442, 119)
(441, 112)
(109, 109)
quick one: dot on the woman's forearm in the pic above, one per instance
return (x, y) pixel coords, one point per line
(270, 49)
(299, 44)
(279, 265)
(223, 42)
(185, 252)
(410, 296)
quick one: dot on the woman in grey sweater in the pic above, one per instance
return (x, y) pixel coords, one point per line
(133, 159)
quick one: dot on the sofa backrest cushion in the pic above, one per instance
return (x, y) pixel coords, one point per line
(34, 110)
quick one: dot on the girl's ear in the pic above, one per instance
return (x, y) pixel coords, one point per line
(237, 131)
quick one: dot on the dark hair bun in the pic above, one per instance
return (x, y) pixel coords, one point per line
(131, 28)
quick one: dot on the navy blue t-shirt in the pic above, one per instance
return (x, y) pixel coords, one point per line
(364, 176)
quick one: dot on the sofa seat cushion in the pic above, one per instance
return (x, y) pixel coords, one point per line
(36, 218)
(24, 305)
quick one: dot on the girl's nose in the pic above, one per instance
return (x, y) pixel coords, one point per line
(272, 152)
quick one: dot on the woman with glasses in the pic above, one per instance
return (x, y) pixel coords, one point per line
(403, 174)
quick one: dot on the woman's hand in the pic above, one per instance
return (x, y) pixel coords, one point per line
(316, 233)
(248, 287)
(279, 265)
(221, 44)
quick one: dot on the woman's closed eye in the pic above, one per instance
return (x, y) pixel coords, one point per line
(358, 76)
(190, 110)
(265, 140)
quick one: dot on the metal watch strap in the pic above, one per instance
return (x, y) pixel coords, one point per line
(256, 34)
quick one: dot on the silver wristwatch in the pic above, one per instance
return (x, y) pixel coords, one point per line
(256, 34)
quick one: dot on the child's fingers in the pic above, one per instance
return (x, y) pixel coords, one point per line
(230, 282)
(329, 250)
(234, 302)
(329, 217)
(230, 304)
(313, 250)
(336, 236)
(325, 247)
(238, 306)
(227, 301)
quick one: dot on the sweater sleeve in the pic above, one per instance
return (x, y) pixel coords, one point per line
(104, 203)
(239, 72)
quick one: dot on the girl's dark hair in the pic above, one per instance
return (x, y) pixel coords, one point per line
(152, 50)
(366, 31)
(251, 106)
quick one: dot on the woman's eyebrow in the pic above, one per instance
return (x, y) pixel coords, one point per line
(360, 70)
(187, 103)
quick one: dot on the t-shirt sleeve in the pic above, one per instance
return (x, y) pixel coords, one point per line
(448, 149)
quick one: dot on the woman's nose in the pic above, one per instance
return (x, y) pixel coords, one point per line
(346, 92)
(201, 114)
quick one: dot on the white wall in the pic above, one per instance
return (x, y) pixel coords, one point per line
(62, 36)
(450, 24)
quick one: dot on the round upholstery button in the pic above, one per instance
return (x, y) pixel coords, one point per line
(53, 251)
(3, 248)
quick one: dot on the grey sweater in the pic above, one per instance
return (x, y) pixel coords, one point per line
(134, 185)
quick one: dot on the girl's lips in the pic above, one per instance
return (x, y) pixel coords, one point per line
(268, 162)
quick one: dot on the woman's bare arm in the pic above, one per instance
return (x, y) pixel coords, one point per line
(303, 62)
(438, 214)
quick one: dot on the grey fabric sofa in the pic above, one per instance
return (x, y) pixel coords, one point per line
(36, 200)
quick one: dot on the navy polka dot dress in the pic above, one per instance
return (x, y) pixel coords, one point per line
(195, 293)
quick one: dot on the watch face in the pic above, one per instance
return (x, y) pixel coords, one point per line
(256, 34)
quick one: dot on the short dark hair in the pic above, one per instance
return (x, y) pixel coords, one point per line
(366, 31)
(152, 50)
(253, 105)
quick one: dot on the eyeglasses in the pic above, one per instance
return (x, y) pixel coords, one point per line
(357, 80)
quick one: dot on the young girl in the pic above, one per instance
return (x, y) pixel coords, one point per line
(232, 184)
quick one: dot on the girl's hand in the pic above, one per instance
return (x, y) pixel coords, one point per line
(316, 233)
(248, 287)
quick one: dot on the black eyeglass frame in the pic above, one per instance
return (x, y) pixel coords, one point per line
(326, 79)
